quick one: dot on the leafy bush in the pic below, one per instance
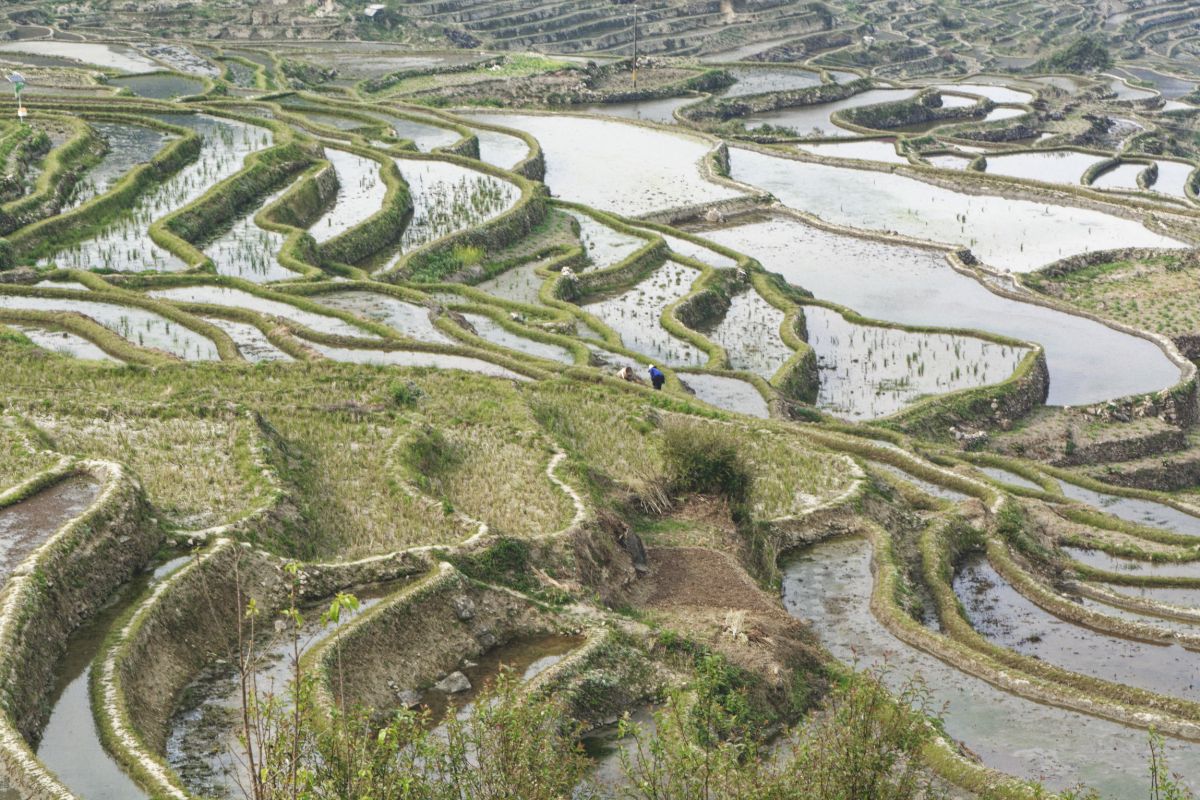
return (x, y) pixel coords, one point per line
(430, 454)
(706, 459)
(405, 394)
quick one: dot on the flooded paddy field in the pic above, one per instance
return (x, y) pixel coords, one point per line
(68, 344)
(125, 245)
(816, 121)
(138, 326)
(635, 314)
(1007, 618)
(127, 146)
(830, 584)
(917, 287)
(361, 191)
(644, 171)
(1133, 509)
(236, 298)
(408, 319)
(1019, 235)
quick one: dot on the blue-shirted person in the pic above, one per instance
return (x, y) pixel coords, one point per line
(657, 377)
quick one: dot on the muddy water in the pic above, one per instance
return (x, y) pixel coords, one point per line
(125, 244)
(1012, 478)
(525, 658)
(128, 146)
(501, 149)
(1102, 560)
(704, 255)
(495, 333)
(1008, 619)
(730, 394)
(251, 342)
(605, 246)
(406, 358)
(1088, 361)
(997, 94)
(236, 298)
(1020, 235)
(408, 318)
(869, 372)
(1169, 86)
(815, 120)
(361, 191)
(26, 525)
(868, 150)
(635, 316)
(159, 87)
(1188, 598)
(644, 169)
(202, 742)
(830, 584)
(70, 746)
(65, 343)
(749, 332)
(1132, 509)
(141, 327)
(1050, 166)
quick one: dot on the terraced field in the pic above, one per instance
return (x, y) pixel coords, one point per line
(329, 405)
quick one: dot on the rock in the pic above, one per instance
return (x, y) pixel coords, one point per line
(464, 607)
(408, 698)
(487, 639)
(454, 683)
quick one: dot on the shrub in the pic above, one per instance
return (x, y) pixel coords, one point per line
(706, 459)
(406, 394)
(430, 454)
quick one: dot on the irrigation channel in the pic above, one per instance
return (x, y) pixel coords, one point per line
(834, 278)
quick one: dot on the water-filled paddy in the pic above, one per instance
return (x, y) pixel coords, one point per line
(494, 332)
(128, 146)
(731, 394)
(816, 120)
(644, 169)
(118, 57)
(71, 744)
(1004, 112)
(705, 255)
(661, 110)
(409, 358)
(520, 284)
(635, 315)
(361, 192)
(1020, 235)
(26, 525)
(247, 251)
(1123, 177)
(948, 161)
(605, 246)
(409, 319)
(830, 584)
(68, 344)
(501, 149)
(869, 371)
(1099, 559)
(866, 150)
(928, 487)
(997, 94)
(1172, 178)
(1133, 509)
(758, 80)
(161, 86)
(251, 342)
(125, 244)
(141, 327)
(749, 332)
(1168, 86)
(1050, 166)
(1012, 478)
(236, 298)
(1124, 91)
(425, 135)
(1005, 617)
(1088, 361)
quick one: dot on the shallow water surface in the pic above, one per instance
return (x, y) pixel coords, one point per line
(236, 298)
(731, 394)
(830, 584)
(412, 358)
(160, 86)
(68, 344)
(635, 315)
(1133, 509)
(409, 319)
(1005, 617)
(816, 120)
(361, 192)
(605, 246)
(1049, 166)
(1088, 361)
(749, 332)
(141, 327)
(866, 150)
(1020, 235)
(494, 332)
(643, 170)
(26, 525)
(128, 146)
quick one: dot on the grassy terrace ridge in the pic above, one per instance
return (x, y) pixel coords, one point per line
(420, 436)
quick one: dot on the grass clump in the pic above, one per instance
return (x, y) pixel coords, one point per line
(704, 458)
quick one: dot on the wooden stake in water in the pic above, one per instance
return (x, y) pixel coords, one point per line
(18, 82)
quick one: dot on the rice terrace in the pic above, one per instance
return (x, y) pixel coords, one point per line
(548, 399)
